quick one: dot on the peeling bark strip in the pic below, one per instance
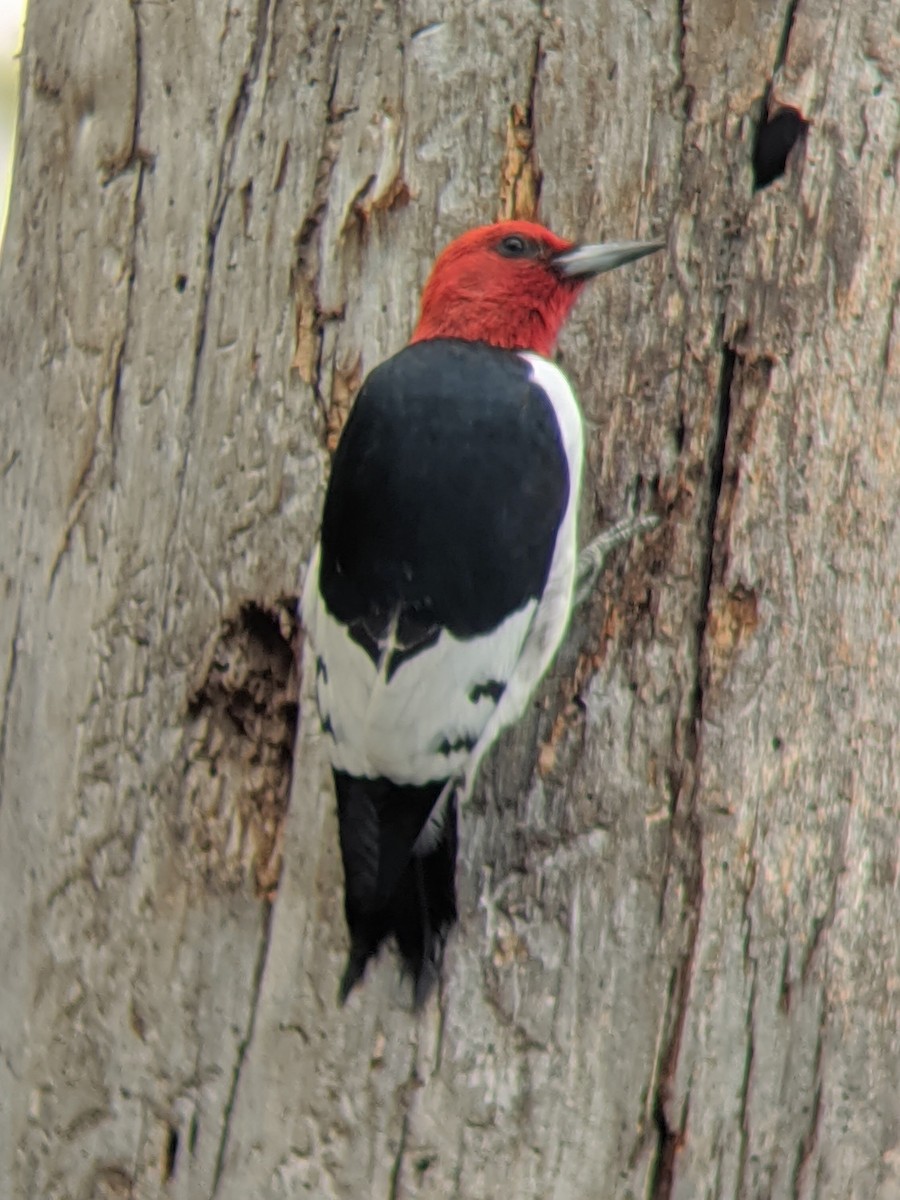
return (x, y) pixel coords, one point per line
(243, 722)
(677, 976)
(520, 177)
(344, 386)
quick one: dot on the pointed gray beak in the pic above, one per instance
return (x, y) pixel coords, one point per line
(586, 261)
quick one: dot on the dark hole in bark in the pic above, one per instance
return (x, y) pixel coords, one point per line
(680, 432)
(264, 625)
(776, 136)
(171, 1154)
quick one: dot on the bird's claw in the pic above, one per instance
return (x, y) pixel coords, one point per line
(592, 558)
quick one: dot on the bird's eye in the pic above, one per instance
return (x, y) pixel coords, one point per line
(514, 247)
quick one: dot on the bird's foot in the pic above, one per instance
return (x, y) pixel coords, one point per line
(592, 558)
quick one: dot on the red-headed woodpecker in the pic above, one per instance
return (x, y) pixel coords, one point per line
(445, 573)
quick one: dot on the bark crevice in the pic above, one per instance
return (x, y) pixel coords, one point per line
(7, 694)
(397, 1168)
(141, 161)
(810, 1138)
(686, 825)
(786, 31)
(311, 316)
(221, 194)
(244, 1045)
(683, 80)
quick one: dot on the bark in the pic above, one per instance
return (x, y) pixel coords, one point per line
(676, 973)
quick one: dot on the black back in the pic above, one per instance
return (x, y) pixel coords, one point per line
(446, 493)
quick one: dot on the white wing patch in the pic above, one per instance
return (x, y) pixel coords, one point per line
(423, 722)
(555, 604)
(442, 708)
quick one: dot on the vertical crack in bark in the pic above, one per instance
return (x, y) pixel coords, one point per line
(311, 316)
(405, 1092)
(520, 174)
(537, 59)
(663, 1172)
(660, 1181)
(456, 1194)
(244, 1045)
(223, 175)
(787, 30)
(333, 60)
(7, 695)
(683, 71)
(745, 1088)
(824, 921)
(221, 196)
(781, 52)
(716, 475)
(810, 1138)
(887, 350)
(139, 159)
(441, 1001)
(397, 1171)
(119, 365)
(670, 1137)
(750, 965)
(746, 1078)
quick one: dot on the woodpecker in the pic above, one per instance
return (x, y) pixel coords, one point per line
(446, 567)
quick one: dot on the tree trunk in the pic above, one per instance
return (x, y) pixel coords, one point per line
(676, 970)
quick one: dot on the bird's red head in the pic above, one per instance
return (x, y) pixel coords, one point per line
(512, 285)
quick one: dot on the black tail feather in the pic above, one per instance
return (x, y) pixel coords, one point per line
(389, 889)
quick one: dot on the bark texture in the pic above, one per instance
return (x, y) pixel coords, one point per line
(677, 973)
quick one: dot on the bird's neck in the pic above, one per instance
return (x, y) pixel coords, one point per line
(513, 326)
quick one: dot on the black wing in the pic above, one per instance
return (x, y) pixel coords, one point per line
(446, 494)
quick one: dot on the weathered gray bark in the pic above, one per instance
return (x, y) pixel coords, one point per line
(676, 973)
